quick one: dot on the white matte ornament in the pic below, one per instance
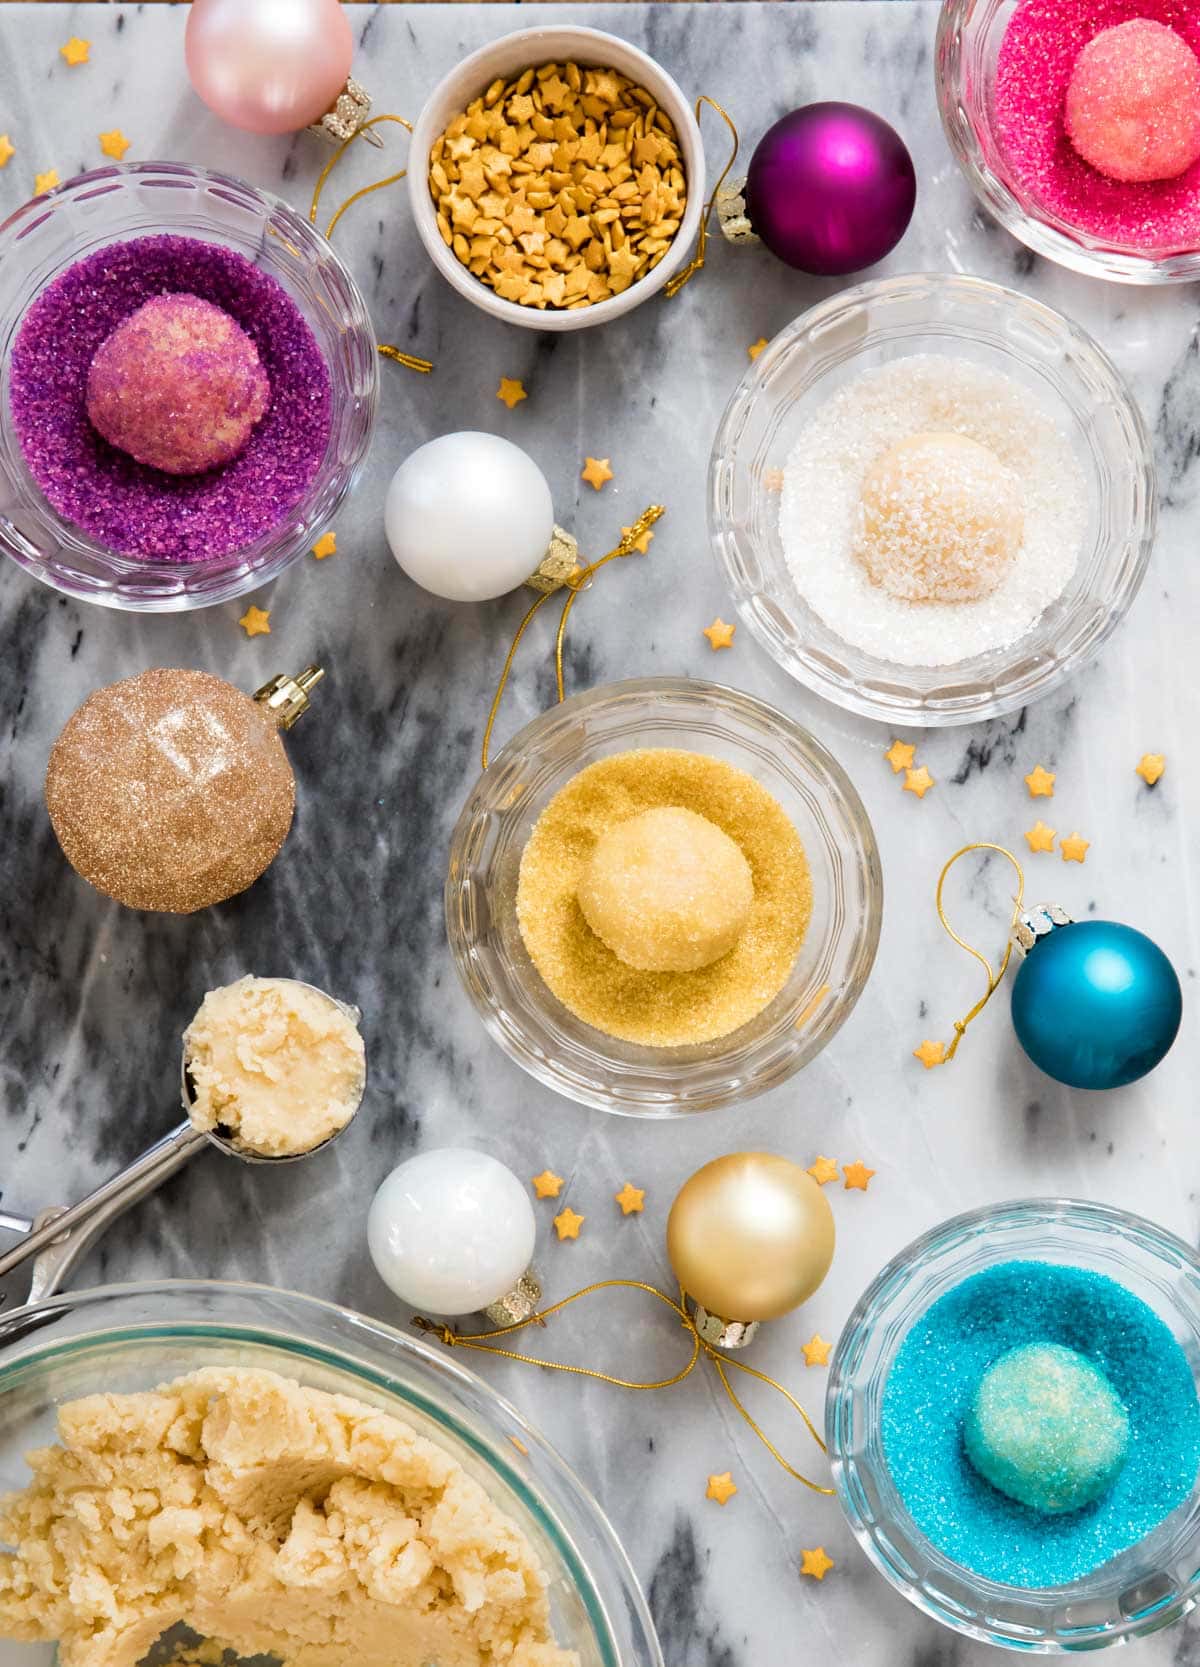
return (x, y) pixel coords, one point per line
(451, 1231)
(469, 516)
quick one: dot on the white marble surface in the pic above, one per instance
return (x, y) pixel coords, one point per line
(92, 998)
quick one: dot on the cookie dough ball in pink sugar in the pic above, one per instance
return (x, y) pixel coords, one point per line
(1133, 102)
(179, 385)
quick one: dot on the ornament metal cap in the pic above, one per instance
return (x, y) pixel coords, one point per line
(720, 1333)
(1037, 922)
(558, 565)
(518, 1305)
(731, 213)
(286, 698)
(346, 116)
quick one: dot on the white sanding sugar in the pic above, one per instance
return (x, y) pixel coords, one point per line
(819, 511)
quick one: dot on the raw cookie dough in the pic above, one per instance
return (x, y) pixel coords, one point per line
(272, 1520)
(276, 1065)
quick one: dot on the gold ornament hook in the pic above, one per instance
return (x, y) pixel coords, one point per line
(677, 282)
(286, 698)
(993, 976)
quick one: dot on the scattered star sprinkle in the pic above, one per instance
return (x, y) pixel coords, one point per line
(1040, 837)
(931, 1054)
(1152, 764)
(511, 391)
(255, 622)
(45, 182)
(326, 545)
(596, 471)
(642, 542)
(1074, 847)
(816, 1563)
(547, 1184)
(917, 781)
(756, 348)
(7, 150)
(75, 51)
(719, 634)
(721, 1488)
(631, 1199)
(816, 1350)
(857, 1176)
(519, 1445)
(823, 1170)
(773, 480)
(1040, 783)
(900, 756)
(567, 1224)
(114, 143)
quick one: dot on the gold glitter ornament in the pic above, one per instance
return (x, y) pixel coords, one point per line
(171, 790)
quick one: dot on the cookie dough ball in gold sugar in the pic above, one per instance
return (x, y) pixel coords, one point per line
(559, 188)
(941, 519)
(654, 807)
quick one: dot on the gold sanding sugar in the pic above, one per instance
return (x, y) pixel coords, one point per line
(663, 1009)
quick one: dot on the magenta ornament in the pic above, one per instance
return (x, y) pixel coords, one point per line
(831, 188)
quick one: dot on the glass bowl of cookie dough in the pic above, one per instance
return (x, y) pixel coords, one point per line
(126, 1339)
(829, 969)
(770, 492)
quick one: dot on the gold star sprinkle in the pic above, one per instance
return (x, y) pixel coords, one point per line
(756, 348)
(511, 391)
(917, 781)
(816, 1563)
(1074, 847)
(631, 1199)
(1040, 783)
(1152, 763)
(595, 471)
(823, 1170)
(568, 1224)
(816, 1350)
(719, 634)
(75, 51)
(45, 182)
(1040, 837)
(642, 542)
(721, 1488)
(7, 150)
(931, 1054)
(326, 545)
(773, 480)
(900, 756)
(520, 1446)
(857, 1176)
(114, 143)
(547, 1184)
(255, 622)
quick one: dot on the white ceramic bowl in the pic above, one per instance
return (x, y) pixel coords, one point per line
(506, 57)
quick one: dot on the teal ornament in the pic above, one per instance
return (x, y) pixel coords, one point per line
(1094, 1004)
(1047, 1429)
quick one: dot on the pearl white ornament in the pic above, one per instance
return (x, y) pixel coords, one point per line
(451, 1231)
(469, 516)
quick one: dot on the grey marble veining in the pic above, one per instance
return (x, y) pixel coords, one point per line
(93, 998)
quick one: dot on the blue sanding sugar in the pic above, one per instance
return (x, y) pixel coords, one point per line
(934, 1377)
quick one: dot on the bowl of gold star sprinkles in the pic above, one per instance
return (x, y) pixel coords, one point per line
(557, 178)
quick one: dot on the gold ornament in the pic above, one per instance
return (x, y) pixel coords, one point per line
(171, 790)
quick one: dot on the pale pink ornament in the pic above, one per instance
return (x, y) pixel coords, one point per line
(269, 66)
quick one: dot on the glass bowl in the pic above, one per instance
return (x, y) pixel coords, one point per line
(1144, 1588)
(968, 43)
(533, 1027)
(972, 319)
(140, 199)
(132, 1337)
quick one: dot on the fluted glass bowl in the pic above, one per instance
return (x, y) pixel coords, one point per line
(140, 199)
(1142, 1589)
(967, 47)
(132, 1337)
(516, 1007)
(857, 331)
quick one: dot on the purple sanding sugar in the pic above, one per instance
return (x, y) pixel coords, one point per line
(135, 510)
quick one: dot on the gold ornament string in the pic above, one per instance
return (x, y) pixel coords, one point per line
(409, 360)
(993, 976)
(481, 1341)
(578, 582)
(677, 282)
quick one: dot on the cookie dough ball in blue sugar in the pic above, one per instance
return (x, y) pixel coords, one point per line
(1046, 1428)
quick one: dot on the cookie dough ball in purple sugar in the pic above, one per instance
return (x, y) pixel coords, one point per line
(1133, 102)
(178, 385)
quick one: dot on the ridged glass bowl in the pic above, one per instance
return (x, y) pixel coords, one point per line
(140, 199)
(133, 1337)
(516, 1007)
(967, 47)
(859, 330)
(1143, 1588)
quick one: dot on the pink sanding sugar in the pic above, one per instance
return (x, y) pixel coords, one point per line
(1037, 56)
(135, 510)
